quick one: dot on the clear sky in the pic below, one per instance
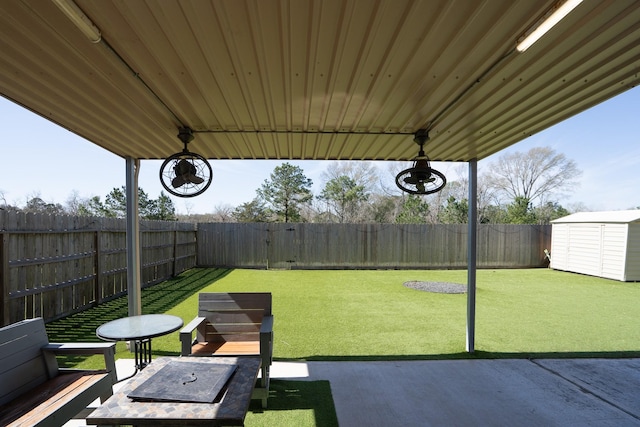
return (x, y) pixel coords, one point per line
(42, 159)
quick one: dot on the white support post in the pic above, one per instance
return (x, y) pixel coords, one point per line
(471, 255)
(133, 239)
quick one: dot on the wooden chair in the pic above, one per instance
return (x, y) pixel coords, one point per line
(233, 324)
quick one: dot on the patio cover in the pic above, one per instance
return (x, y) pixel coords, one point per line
(331, 79)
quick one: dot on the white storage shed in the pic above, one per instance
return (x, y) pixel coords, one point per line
(603, 244)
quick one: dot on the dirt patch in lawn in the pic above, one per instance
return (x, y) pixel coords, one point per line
(438, 287)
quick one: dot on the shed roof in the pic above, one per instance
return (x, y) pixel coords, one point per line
(604, 216)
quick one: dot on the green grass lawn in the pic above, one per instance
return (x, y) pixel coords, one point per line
(370, 315)
(347, 315)
(362, 315)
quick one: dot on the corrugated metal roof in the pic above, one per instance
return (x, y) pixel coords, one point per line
(628, 216)
(330, 79)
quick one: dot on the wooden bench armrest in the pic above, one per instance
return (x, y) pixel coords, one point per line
(108, 350)
(186, 334)
(80, 347)
(267, 325)
(266, 340)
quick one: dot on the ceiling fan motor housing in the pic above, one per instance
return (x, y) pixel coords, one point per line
(185, 135)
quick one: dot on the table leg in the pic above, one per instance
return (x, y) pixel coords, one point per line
(142, 356)
(142, 353)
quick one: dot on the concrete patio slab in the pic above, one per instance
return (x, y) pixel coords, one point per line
(500, 392)
(511, 392)
(615, 381)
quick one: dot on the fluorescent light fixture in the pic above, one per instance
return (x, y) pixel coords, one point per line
(548, 22)
(79, 19)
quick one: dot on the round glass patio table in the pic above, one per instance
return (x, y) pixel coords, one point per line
(139, 329)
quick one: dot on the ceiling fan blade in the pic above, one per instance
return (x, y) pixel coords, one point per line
(178, 181)
(411, 180)
(194, 179)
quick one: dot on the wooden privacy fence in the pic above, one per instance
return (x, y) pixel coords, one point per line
(368, 246)
(53, 266)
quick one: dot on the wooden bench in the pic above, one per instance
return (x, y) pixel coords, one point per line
(34, 390)
(233, 324)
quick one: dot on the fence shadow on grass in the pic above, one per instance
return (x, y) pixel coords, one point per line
(155, 299)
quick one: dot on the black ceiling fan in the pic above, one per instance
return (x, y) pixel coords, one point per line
(421, 178)
(186, 174)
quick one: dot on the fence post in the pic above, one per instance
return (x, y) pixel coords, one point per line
(97, 267)
(175, 253)
(4, 278)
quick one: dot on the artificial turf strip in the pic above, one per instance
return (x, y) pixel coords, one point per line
(295, 403)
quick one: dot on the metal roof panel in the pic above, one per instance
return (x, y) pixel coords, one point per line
(336, 79)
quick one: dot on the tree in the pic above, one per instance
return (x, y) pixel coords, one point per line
(286, 192)
(383, 208)
(73, 203)
(115, 206)
(37, 205)
(536, 175)
(253, 211)
(455, 211)
(549, 211)
(492, 214)
(91, 207)
(161, 209)
(438, 202)
(520, 212)
(362, 173)
(344, 198)
(222, 212)
(115, 203)
(414, 210)
(350, 175)
(4, 205)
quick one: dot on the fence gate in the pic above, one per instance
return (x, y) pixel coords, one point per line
(283, 246)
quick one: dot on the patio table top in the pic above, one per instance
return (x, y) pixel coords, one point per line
(231, 409)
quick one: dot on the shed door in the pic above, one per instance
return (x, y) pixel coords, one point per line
(612, 250)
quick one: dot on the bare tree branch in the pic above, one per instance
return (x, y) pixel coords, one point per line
(537, 175)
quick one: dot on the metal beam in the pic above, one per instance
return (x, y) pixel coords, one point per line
(133, 238)
(472, 237)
